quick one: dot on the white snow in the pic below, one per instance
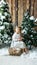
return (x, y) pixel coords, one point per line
(2, 1)
(24, 31)
(0, 14)
(24, 59)
(31, 54)
(36, 20)
(6, 42)
(2, 27)
(6, 13)
(32, 18)
(0, 23)
(6, 23)
(4, 51)
(6, 35)
(2, 17)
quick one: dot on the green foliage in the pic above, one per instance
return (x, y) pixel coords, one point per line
(6, 27)
(30, 34)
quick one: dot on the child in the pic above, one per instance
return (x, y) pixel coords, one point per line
(17, 40)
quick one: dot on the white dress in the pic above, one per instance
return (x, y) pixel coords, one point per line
(15, 43)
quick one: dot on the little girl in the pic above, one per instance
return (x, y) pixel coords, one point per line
(17, 40)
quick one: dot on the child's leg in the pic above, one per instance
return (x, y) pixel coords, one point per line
(22, 50)
(25, 50)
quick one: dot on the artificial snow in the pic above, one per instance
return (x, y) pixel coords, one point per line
(5, 35)
(24, 59)
(36, 20)
(24, 31)
(31, 54)
(2, 17)
(32, 18)
(0, 14)
(4, 51)
(6, 13)
(1, 23)
(2, 27)
(2, 2)
(6, 42)
(6, 23)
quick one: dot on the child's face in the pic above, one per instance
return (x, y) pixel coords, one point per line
(18, 30)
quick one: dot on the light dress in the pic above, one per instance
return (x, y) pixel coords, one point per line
(15, 43)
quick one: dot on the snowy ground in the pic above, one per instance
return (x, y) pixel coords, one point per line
(11, 60)
(24, 59)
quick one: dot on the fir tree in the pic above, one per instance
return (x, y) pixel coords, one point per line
(6, 27)
(30, 34)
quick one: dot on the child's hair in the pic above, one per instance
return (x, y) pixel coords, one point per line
(19, 27)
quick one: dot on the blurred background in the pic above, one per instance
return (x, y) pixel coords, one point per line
(18, 7)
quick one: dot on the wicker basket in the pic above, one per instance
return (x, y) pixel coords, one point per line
(14, 51)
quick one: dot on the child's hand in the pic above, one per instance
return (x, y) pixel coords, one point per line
(20, 39)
